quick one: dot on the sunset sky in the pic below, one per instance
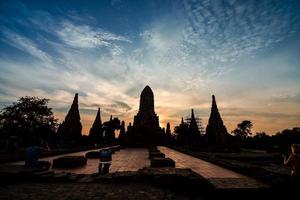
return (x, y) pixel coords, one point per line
(245, 52)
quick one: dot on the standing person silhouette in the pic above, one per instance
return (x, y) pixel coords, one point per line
(33, 153)
(293, 161)
(105, 161)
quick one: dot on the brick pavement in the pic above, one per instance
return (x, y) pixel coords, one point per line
(218, 176)
(124, 160)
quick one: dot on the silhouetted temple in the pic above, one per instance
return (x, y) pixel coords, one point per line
(188, 134)
(193, 131)
(146, 130)
(96, 130)
(181, 132)
(122, 135)
(193, 125)
(109, 128)
(216, 132)
(168, 136)
(168, 129)
(70, 128)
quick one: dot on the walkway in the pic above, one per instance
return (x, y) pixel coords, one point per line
(218, 176)
(123, 160)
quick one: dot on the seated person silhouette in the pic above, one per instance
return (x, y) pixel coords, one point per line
(105, 161)
(33, 153)
(294, 162)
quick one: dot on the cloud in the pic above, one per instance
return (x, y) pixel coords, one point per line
(240, 112)
(122, 105)
(224, 31)
(84, 36)
(286, 97)
(208, 38)
(117, 107)
(24, 44)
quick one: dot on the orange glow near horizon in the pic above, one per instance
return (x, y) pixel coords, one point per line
(260, 123)
(170, 107)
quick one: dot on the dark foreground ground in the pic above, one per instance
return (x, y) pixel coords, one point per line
(134, 191)
(88, 191)
(147, 183)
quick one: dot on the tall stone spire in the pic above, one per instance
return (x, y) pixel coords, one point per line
(216, 132)
(98, 117)
(192, 115)
(146, 115)
(122, 129)
(122, 135)
(70, 129)
(146, 130)
(73, 114)
(214, 114)
(168, 129)
(96, 129)
(147, 101)
(193, 126)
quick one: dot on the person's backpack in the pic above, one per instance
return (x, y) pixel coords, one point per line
(105, 155)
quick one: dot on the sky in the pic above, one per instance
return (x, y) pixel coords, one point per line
(245, 52)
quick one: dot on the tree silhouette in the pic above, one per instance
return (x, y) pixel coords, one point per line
(28, 118)
(243, 129)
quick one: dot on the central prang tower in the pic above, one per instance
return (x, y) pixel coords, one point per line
(146, 130)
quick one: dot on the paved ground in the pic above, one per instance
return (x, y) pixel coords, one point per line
(123, 160)
(129, 160)
(134, 159)
(219, 176)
